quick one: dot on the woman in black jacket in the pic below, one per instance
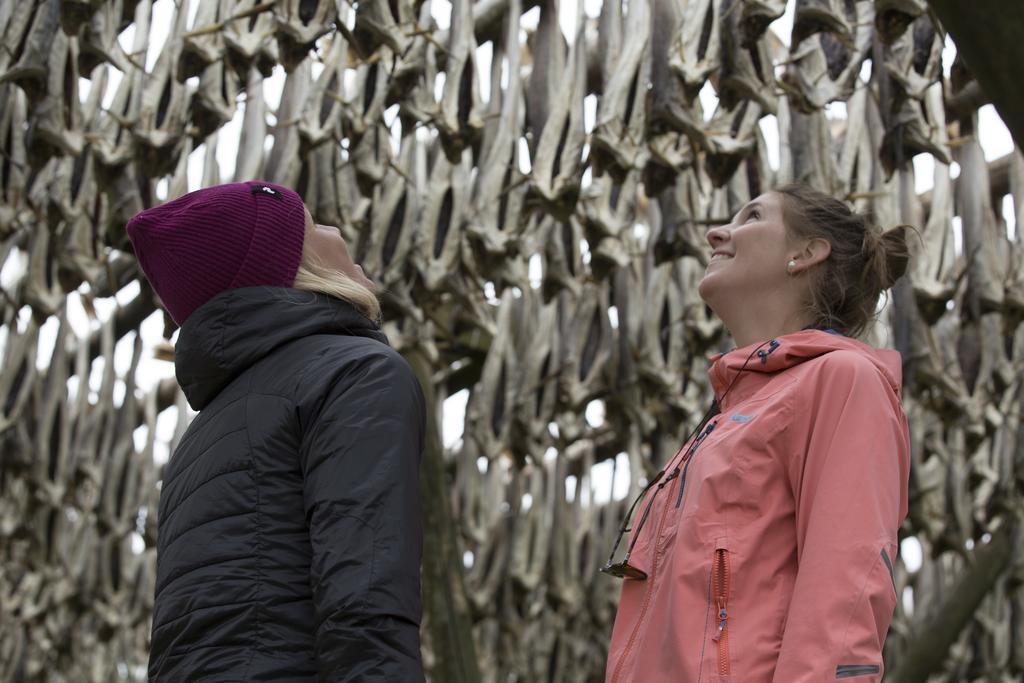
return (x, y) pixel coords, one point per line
(289, 521)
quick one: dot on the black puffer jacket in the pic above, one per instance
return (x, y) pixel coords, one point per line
(289, 522)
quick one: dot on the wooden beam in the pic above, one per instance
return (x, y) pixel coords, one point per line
(930, 645)
(987, 34)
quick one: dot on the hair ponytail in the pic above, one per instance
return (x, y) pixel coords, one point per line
(885, 256)
(897, 254)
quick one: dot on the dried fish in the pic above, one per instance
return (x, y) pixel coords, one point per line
(531, 192)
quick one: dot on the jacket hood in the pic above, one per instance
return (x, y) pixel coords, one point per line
(237, 328)
(792, 349)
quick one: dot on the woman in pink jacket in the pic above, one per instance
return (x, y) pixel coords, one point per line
(763, 551)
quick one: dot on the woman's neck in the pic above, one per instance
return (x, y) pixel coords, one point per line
(747, 330)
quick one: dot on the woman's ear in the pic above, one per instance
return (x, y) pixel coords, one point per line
(813, 252)
(818, 249)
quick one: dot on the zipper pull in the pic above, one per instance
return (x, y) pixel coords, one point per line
(721, 625)
(693, 446)
(763, 355)
(700, 439)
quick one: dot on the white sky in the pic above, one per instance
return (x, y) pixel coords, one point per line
(994, 137)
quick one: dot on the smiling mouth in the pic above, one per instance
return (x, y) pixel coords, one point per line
(719, 257)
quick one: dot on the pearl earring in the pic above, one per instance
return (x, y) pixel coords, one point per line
(791, 265)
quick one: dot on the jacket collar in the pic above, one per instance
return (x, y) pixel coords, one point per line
(786, 351)
(237, 328)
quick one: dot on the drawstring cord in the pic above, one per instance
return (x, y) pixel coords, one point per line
(715, 408)
(623, 568)
(763, 355)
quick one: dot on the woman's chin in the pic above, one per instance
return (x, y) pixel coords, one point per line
(706, 288)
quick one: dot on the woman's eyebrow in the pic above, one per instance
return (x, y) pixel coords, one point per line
(747, 209)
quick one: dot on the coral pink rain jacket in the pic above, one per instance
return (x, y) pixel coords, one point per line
(769, 558)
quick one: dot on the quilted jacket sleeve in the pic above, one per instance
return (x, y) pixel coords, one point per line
(850, 487)
(360, 459)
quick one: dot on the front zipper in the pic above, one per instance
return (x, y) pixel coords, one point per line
(720, 589)
(647, 596)
(686, 460)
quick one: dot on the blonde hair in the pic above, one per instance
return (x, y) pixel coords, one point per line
(313, 276)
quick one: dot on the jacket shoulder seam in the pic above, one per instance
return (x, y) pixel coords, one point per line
(845, 361)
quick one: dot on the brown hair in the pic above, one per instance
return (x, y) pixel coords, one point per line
(864, 261)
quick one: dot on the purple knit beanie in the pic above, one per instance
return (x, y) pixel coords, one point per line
(219, 238)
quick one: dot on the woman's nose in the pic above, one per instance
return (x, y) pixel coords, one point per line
(717, 235)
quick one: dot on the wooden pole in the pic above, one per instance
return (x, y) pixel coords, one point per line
(444, 594)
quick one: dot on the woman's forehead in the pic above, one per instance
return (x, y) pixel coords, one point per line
(768, 200)
(763, 202)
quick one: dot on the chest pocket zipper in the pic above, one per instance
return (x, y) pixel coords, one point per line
(720, 591)
(688, 457)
